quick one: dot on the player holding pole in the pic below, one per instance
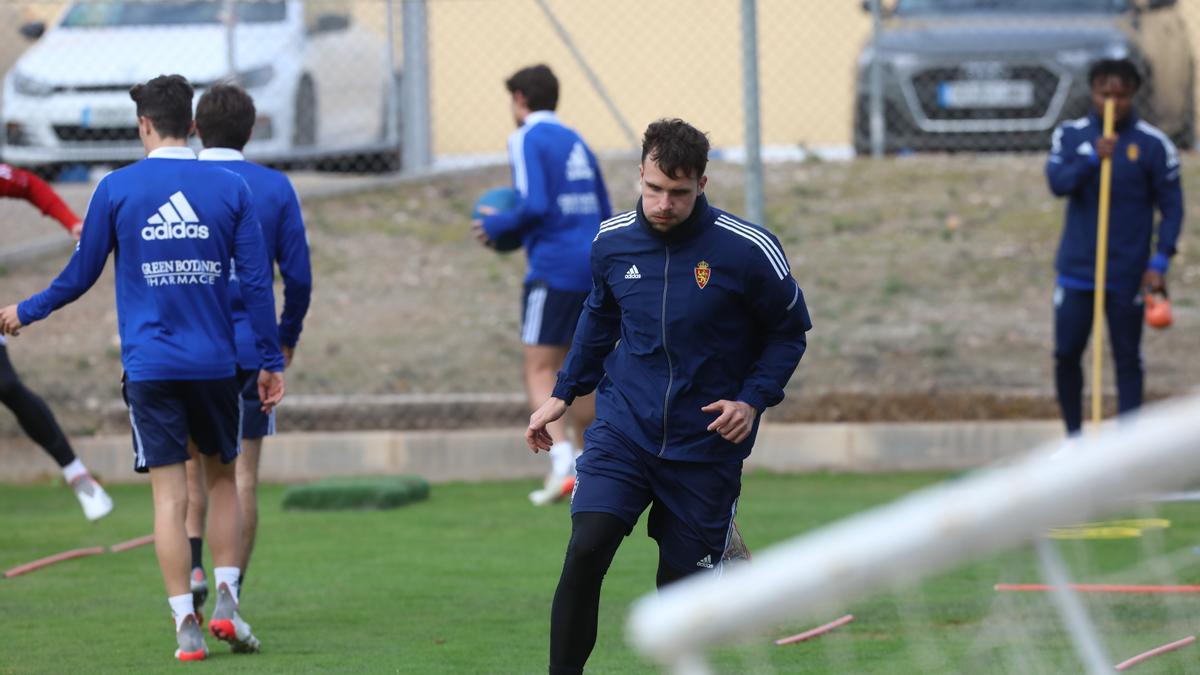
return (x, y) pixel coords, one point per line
(1144, 167)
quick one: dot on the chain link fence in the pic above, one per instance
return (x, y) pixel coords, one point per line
(835, 76)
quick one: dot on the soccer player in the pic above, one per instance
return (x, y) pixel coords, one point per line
(174, 224)
(1145, 176)
(32, 413)
(225, 118)
(563, 202)
(693, 327)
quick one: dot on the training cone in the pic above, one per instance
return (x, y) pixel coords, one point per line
(1158, 311)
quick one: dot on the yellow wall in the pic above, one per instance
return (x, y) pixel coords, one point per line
(655, 57)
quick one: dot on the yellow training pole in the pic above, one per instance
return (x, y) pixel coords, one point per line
(1101, 271)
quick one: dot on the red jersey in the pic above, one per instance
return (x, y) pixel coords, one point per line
(20, 183)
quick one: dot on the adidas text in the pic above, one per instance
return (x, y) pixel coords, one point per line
(706, 562)
(633, 273)
(176, 231)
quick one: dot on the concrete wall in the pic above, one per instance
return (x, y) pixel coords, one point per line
(493, 454)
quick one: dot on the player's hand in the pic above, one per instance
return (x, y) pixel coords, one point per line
(10, 321)
(536, 436)
(477, 230)
(735, 421)
(77, 230)
(1105, 145)
(288, 353)
(1153, 281)
(270, 389)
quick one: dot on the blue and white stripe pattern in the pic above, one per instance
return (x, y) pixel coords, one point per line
(617, 222)
(534, 306)
(139, 450)
(765, 243)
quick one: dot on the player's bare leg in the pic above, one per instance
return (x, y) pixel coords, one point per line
(197, 508)
(247, 488)
(542, 363)
(225, 540)
(169, 486)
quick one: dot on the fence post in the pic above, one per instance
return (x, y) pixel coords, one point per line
(417, 150)
(876, 84)
(755, 209)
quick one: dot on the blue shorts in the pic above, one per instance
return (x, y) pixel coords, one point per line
(255, 423)
(548, 315)
(692, 504)
(164, 413)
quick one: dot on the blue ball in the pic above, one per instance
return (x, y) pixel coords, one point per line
(501, 199)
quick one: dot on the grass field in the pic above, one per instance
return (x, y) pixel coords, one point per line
(462, 583)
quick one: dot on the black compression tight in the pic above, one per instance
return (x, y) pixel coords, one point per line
(594, 541)
(32, 413)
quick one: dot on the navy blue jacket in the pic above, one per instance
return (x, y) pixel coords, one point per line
(286, 243)
(1145, 175)
(678, 320)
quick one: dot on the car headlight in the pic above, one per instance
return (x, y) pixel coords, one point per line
(31, 87)
(256, 77)
(903, 60)
(1117, 51)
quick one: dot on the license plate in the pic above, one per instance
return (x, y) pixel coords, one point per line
(106, 116)
(986, 94)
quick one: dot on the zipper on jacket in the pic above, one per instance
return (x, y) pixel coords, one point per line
(670, 366)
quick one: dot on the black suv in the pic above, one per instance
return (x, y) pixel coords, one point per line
(1001, 74)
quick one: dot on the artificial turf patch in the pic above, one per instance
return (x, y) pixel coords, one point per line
(366, 492)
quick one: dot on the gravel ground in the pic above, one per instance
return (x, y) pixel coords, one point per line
(928, 278)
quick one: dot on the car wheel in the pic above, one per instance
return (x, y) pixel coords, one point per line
(304, 121)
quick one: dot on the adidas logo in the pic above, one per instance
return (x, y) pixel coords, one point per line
(175, 220)
(705, 562)
(578, 167)
(633, 273)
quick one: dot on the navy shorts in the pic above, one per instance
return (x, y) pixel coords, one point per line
(164, 413)
(548, 315)
(692, 504)
(255, 423)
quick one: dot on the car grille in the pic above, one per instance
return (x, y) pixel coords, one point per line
(925, 84)
(71, 133)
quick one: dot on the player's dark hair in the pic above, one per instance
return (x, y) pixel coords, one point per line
(225, 117)
(538, 84)
(1120, 68)
(167, 102)
(676, 147)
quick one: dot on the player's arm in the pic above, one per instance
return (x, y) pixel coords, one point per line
(85, 266)
(1067, 170)
(596, 335)
(25, 185)
(296, 268)
(1167, 190)
(777, 304)
(254, 277)
(529, 179)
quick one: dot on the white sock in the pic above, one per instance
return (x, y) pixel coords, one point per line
(229, 577)
(562, 458)
(181, 608)
(74, 470)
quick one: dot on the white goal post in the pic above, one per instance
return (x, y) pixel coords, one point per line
(928, 532)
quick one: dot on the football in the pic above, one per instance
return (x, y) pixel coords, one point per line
(501, 199)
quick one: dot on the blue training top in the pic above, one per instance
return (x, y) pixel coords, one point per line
(563, 201)
(1145, 175)
(278, 211)
(173, 224)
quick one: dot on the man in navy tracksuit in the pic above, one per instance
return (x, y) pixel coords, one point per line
(693, 327)
(1145, 175)
(563, 200)
(225, 117)
(173, 224)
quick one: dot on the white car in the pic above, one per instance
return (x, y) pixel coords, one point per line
(322, 85)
